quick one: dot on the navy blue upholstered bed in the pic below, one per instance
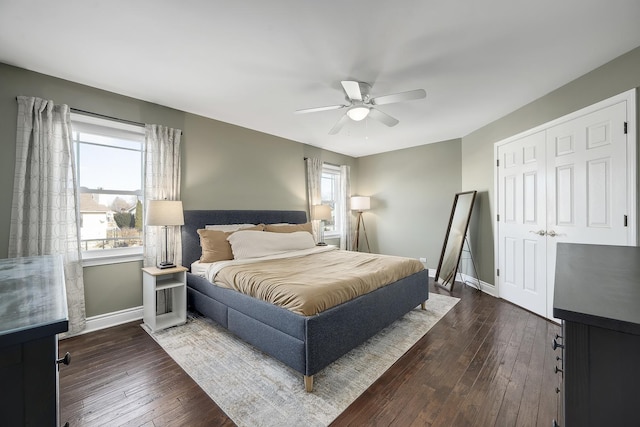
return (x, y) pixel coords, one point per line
(305, 343)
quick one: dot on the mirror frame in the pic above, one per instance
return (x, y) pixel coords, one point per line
(453, 243)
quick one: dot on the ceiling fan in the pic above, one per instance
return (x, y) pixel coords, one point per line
(361, 104)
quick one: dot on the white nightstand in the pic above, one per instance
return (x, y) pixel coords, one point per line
(174, 281)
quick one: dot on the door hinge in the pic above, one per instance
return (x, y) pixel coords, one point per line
(498, 217)
(498, 272)
(626, 223)
(498, 162)
(625, 128)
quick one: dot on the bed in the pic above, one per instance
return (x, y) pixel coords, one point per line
(307, 344)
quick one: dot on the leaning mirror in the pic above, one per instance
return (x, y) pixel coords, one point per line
(454, 239)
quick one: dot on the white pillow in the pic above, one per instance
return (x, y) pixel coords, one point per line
(228, 227)
(254, 244)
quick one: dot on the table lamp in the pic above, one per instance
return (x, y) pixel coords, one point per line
(321, 213)
(165, 213)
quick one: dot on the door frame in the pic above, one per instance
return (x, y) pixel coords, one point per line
(632, 161)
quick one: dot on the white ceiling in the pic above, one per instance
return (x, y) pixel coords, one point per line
(253, 62)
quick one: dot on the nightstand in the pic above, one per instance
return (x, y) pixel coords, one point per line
(173, 281)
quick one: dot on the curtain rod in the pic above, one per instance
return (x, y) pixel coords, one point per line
(104, 116)
(330, 164)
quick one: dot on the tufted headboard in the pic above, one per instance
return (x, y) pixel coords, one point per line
(193, 220)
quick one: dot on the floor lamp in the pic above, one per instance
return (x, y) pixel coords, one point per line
(360, 204)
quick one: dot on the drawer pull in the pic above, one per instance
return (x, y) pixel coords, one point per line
(64, 360)
(555, 424)
(556, 345)
(557, 369)
(557, 390)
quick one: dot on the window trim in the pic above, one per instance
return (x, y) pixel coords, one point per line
(82, 123)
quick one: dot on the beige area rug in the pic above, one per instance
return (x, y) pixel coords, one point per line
(254, 389)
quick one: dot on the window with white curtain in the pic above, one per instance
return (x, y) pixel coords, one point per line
(109, 159)
(330, 191)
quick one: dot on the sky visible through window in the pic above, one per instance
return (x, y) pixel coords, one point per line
(107, 166)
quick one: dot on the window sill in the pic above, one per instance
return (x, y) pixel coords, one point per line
(90, 260)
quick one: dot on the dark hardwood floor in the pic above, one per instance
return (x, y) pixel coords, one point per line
(486, 363)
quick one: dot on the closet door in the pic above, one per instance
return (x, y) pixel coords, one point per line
(572, 180)
(587, 183)
(522, 225)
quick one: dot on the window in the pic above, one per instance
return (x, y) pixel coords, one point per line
(330, 191)
(109, 159)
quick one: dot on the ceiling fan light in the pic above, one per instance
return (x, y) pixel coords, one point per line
(358, 113)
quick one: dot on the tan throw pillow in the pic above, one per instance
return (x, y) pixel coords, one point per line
(288, 228)
(215, 246)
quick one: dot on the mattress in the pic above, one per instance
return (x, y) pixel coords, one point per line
(309, 281)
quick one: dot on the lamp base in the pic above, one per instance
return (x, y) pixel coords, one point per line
(165, 264)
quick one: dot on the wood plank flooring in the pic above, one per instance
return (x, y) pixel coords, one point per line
(486, 363)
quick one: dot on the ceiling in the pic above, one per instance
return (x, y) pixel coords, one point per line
(253, 63)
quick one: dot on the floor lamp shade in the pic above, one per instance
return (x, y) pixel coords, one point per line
(360, 203)
(165, 213)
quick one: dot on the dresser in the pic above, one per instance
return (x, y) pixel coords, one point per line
(597, 296)
(33, 310)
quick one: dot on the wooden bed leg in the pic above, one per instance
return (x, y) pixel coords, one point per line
(308, 383)
(422, 306)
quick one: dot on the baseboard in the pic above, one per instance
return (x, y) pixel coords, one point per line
(107, 320)
(485, 287)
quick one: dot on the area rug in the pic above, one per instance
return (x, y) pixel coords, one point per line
(254, 389)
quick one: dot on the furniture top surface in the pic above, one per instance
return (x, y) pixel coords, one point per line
(32, 295)
(155, 271)
(598, 285)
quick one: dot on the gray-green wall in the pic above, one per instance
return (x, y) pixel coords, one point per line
(617, 76)
(224, 167)
(412, 193)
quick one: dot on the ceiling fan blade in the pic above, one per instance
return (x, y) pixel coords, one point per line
(336, 128)
(352, 89)
(383, 117)
(399, 97)
(316, 109)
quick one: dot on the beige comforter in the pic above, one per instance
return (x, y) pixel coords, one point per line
(313, 283)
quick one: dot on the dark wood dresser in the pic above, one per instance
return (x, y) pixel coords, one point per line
(33, 310)
(597, 296)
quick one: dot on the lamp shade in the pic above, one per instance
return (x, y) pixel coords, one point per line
(321, 212)
(360, 203)
(164, 212)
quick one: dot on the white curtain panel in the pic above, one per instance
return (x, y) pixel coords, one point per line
(344, 211)
(161, 181)
(44, 207)
(314, 195)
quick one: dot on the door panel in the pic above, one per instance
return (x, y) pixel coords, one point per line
(587, 194)
(522, 215)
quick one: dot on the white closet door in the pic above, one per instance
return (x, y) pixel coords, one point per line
(569, 182)
(587, 183)
(522, 225)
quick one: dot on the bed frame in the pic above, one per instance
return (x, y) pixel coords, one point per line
(305, 343)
